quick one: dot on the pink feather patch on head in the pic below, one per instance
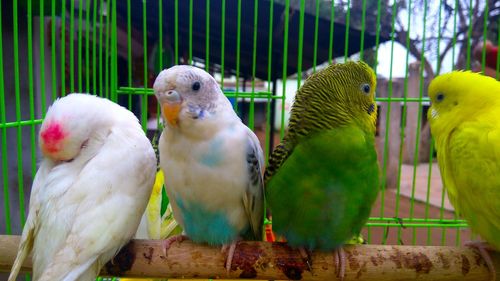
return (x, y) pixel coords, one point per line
(52, 136)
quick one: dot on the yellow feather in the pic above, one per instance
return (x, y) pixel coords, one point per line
(465, 122)
(160, 227)
(153, 208)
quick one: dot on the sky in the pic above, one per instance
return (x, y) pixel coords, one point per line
(417, 24)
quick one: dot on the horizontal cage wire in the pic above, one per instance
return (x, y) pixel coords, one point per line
(260, 52)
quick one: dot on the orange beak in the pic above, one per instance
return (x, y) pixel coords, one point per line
(171, 112)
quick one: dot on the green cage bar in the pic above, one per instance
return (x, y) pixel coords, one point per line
(82, 46)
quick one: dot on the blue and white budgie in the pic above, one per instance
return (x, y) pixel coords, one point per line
(90, 191)
(212, 162)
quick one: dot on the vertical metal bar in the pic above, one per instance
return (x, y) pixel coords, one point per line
(254, 64)
(301, 41)
(160, 34)
(362, 43)
(53, 50)
(316, 23)
(114, 54)
(80, 39)
(485, 33)
(207, 35)
(107, 51)
(403, 119)
(176, 32)
(31, 89)
(129, 53)
(20, 165)
(42, 58)
(285, 62)
(190, 31)
(347, 22)
(332, 26)
(469, 37)
(222, 42)
(419, 118)
(3, 119)
(144, 110)
(238, 38)
(377, 35)
(94, 49)
(63, 48)
(160, 48)
(431, 150)
(387, 125)
(270, 101)
(71, 46)
(101, 30)
(87, 47)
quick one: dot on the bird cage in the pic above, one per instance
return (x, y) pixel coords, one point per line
(260, 52)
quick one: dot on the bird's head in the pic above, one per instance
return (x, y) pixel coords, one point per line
(339, 94)
(70, 123)
(189, 96)
(457, 96)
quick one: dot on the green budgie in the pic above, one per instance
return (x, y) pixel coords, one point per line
(323, 178)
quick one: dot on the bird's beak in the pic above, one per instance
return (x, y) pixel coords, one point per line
(171, 113)
(171, 107)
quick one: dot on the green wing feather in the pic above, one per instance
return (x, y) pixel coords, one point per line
(322, 195)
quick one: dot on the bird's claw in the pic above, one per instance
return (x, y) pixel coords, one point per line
(339, 260)
(482, 248)
(231, 248)
(169, 241)
(306, 257)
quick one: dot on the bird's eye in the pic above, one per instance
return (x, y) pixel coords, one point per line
(440, 97)
(84, 144)
(196, 86)
(365, 88)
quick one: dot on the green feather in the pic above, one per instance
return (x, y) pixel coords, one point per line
(322, 195)
(328, 99)
(322, 180)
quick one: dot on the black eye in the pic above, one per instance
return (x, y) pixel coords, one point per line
(365, 88)
(440, 97)
(196, 86)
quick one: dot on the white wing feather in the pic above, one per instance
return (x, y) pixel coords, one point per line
(108, 198)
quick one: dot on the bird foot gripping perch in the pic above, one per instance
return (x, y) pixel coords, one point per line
(306, 257)
(231, 249)
(482, 248)
(169, 241)
(339, 260)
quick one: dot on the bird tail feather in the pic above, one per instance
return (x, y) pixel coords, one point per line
(24, 250)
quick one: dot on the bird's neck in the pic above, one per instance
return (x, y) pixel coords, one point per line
(206, 128)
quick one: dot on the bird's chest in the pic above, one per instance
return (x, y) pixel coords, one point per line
(205, 170)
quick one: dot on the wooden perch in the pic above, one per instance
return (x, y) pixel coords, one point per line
(263, 260)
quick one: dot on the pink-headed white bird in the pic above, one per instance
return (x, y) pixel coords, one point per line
(90, 191)
(212, 162)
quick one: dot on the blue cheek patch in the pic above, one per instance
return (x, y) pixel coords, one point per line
(203, 226)
(201, 114)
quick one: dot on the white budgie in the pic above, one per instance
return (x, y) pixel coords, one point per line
(212, 162)
(90, 191)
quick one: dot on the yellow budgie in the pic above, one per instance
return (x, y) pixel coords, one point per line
(465, 122)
